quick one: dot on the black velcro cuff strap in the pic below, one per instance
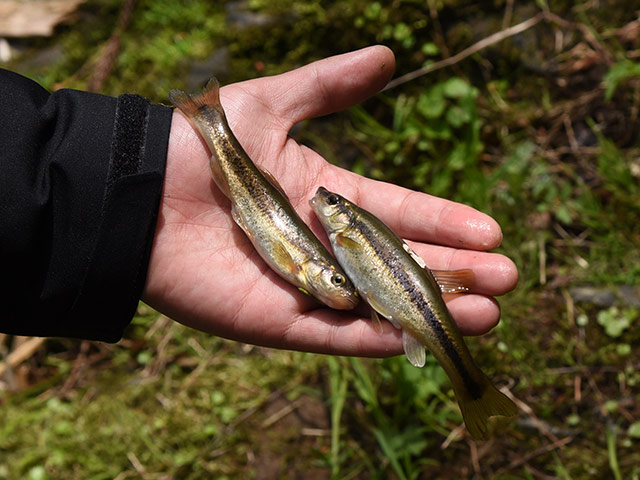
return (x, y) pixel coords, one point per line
(130, 130)
(118, 267)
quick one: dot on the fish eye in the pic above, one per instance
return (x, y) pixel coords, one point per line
(333, 199)
(337, 280)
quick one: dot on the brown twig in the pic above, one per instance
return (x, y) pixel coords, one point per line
(111, 49)
(283, 412)
(79, 366)
(508, 14)
(438, 33)
(475, 462)
(456, 434)
(536, 453)
(588, 34)
(538, 474)
(137, 465)
(570, 134)
(500, 36)
(542, 260)
(476, 47)
(20, 354)
(539, 425)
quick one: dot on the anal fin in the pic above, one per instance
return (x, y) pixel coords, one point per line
(377, 323)
(238, 219)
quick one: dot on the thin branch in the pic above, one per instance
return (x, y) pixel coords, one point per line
(508, 14)
(536, 453)
(111, 50)
(500, 36)
(476, 47)
(25, 351)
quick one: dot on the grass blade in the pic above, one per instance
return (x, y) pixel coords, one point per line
(338, 383)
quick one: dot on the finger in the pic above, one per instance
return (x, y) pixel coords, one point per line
(418, 216)
(337, 333)
(325, 86)
(495, 274)
(474, 314)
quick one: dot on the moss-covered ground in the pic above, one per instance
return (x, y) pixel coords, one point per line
(540, 130)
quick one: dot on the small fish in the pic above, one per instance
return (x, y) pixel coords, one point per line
(395, 282)
(261, 208)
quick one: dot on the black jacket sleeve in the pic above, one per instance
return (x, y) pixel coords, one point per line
(81, 178)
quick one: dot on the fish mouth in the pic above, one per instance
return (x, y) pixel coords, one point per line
(316, 201)
(346, 302)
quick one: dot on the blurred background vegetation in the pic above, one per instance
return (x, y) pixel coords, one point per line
(539, 129)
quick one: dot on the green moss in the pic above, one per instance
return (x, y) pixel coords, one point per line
(490, 132)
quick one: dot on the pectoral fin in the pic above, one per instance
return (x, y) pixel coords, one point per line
(455, 281)
(413, 349)
(346, 242)
(284, 259)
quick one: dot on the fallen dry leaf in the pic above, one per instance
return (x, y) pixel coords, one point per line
(33, 18)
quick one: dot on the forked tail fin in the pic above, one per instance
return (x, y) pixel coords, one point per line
(190, 103)
(476, 412)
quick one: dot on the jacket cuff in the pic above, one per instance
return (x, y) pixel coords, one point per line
(81, 179)
(116, 273)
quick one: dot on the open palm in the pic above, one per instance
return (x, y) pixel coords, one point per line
(206, 274)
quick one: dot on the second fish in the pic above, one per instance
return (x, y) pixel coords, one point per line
(261, 208)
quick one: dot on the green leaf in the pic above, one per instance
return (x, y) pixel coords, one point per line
(457, 157)
(430, 49)
(563, 214)
(634, 430)
(615, 322)
(456, 88)
(456, 116)
(431, 104)
(619, 72)
(439, 129)
(38, 473)
(373, 10)
(385, 446)
(402, 32)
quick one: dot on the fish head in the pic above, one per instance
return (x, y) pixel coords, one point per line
(333, 211)
(330, 285)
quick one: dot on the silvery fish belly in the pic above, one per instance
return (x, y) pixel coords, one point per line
(397, 285)
(261, 208)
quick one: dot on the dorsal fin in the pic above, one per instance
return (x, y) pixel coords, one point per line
(455, 281)
(417, 258)
(272, 180)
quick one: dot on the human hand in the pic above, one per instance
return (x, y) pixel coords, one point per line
(205, 273)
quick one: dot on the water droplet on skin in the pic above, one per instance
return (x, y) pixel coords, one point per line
(484, 230)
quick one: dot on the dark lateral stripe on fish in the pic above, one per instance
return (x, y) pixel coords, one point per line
(242, 172)
(417, 297)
